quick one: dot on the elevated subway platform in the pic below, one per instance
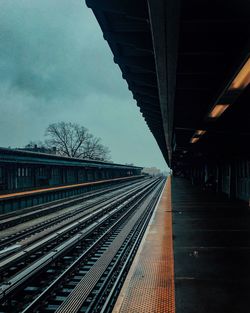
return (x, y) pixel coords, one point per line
(208, 272)
(149, 286)
(211, 251)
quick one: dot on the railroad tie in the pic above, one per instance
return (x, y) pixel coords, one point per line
(80, 293)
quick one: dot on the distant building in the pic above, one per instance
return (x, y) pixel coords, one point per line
(166, 174)
(40, 149)
(152, 171)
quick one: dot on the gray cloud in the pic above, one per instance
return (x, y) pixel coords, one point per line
(55, 65)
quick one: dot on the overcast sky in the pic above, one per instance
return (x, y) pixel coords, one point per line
(56, 66)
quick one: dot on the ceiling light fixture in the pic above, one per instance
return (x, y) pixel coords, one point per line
(200, 132)
(218, 110)
(242, 79)
(194, 139)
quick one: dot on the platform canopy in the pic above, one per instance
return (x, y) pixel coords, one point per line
(187, 64)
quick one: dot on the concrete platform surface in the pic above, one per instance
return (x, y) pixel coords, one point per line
(209, 269)
(211, 251)
(149, 287)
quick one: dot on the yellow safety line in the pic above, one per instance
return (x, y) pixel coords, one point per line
(25, 193)
(149, 286)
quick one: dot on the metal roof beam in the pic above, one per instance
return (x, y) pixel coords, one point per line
(164, 21)
(142, 79)
(153, 92)
(143, 63)
(147, 99)
(130, 39)
(148, 107)
(115, 6)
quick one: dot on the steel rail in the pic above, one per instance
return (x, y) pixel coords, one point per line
(40, 210)
(116, 285)
(11, 285)
(92, 214)
(32, 306)
(80, 293)
(76, 209)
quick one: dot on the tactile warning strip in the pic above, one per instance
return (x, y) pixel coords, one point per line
(150, 284)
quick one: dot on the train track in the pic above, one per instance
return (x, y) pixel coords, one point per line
(83, 270)
(14, 218)
(76, 211)
(42, 241)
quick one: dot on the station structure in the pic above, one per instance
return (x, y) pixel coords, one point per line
(29, 178)
(187, 64)
(22, 170)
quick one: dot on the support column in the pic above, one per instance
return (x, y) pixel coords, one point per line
(218, 178)
(232, 180)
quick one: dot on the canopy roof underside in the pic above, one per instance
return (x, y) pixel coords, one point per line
(180, 59)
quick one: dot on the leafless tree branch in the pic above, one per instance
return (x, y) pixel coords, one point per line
(73, 140)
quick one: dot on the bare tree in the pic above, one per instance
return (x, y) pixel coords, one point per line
(68, 138)
(95, 150)
(73, 140)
